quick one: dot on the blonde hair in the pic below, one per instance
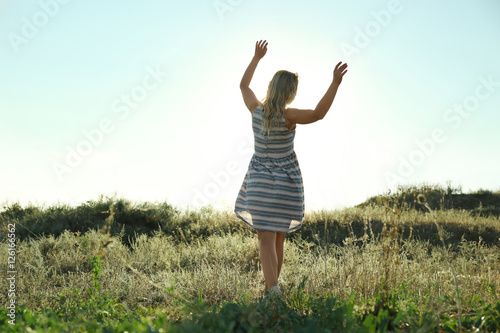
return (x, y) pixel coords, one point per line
(281, 92)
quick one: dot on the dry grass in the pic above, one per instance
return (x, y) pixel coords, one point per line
(361, 251)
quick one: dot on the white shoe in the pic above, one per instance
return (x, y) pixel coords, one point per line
(275, 290)
(272, 296)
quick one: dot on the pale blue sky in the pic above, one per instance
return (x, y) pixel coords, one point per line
(188, 139)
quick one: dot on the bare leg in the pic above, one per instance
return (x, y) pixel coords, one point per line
(280, 239)
(268, 257)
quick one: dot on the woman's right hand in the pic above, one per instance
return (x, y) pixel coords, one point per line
(339, 72)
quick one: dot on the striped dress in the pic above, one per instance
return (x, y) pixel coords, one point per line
(271, 197)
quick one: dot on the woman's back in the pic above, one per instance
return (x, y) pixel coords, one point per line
(279, 142)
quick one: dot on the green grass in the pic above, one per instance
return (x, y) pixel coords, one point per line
(111, 266)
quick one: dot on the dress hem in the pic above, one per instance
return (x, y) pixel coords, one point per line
(266, 229)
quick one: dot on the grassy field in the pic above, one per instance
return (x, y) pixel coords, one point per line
(387, 265)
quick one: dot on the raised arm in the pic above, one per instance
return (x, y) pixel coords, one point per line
(307, 116)
(249, 97)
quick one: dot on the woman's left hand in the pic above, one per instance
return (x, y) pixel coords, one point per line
(260, 49)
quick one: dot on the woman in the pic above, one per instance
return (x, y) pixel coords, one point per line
(271, 198)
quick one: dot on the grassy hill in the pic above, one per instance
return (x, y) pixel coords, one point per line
(111, 265)
(462, 215)
(481, 202)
